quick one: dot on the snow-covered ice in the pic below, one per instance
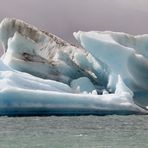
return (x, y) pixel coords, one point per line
(41, 74)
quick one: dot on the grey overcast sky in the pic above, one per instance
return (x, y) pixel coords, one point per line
(63, 17)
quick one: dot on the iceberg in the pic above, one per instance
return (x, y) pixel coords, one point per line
(41, 74)
(124, 54)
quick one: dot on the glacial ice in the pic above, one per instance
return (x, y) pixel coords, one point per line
(83, 84)
(41, 74)
(124, 54)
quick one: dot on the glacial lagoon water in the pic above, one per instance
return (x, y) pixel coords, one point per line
(74, 132)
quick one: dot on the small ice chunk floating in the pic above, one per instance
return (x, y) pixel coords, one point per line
(41, 74)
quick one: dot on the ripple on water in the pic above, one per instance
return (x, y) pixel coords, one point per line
(75, 132)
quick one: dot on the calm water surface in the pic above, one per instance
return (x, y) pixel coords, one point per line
(74, 132)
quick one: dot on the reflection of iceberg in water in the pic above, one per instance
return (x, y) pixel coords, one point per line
(40, 74)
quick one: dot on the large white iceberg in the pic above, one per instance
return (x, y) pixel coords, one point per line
(40, 74)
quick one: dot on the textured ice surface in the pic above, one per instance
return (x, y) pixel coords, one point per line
(40, 74)
(124, 54)
(24, 94)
